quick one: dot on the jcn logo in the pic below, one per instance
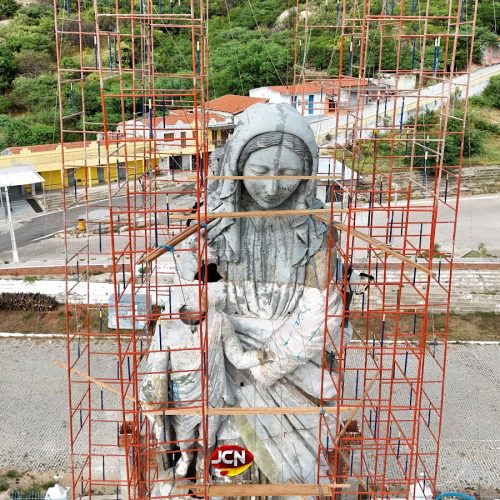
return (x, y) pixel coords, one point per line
(231, 459)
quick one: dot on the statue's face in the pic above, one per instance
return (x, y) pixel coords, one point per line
(276, 161)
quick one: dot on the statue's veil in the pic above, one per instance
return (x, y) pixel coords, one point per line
(225, 195)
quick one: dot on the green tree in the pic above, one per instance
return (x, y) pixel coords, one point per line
(487, 15)
(18, 133)
(43, 134)
(246, 61)
(492, 92)
(29, 40)
(258, 13)
(8, 9)
(473, 138)
(8, 68)
(33, 94)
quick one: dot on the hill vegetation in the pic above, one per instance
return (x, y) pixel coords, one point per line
(251, 44)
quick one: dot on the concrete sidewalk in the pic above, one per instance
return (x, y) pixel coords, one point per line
(20, 210)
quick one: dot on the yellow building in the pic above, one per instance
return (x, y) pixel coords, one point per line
(84, 164)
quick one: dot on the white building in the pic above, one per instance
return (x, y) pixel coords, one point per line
(321, 97)
(174, 131)
(175, 134)
(308, 99)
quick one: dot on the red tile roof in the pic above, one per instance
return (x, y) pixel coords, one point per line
(318, 86)
(181, 115)
(308, 88)
(44, 148)
(233, 104)
(332, 85)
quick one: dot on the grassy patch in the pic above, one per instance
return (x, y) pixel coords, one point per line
(4, 484)
(490, 155)
(7, 477)
(475, 254)
(491, 150)
(471, 326)
(481, 251)
(13, 474)
(47, 484)
(80, 319)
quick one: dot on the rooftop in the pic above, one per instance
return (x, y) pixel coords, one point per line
(45, 148)
(172, 118)
(319, 86)
(233, 104)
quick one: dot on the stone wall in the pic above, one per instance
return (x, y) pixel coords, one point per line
(474, 181)
(475, 288)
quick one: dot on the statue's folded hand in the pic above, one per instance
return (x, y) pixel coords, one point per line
(273, 370)
(266, 374)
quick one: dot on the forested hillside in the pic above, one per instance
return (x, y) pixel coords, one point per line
(251, 44)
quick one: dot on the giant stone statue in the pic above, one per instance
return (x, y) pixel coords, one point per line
(266, 318)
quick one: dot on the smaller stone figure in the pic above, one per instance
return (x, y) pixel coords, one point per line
(175, 355)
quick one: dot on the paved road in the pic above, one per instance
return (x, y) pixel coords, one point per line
(32, 229)
(478, 222)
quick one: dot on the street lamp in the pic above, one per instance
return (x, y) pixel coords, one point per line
(15, 254)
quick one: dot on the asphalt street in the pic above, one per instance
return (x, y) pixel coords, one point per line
(478, 222)
(43, 225)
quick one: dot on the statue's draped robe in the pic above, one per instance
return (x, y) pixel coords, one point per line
(278, 307)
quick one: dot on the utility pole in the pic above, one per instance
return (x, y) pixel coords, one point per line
(15, 255)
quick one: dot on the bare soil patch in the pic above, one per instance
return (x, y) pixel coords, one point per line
(93, 320)
(473, 326)
(480, 326)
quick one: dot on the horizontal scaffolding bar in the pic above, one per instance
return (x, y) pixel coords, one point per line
(279, 490)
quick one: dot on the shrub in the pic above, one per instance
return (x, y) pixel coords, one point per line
(4, 484)
(479, 100)
(13, 474)
(492, 92)
(4, 104)
(8, 9)
(33, 63)
(493, 128)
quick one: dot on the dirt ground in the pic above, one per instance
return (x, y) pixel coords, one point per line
(55, 321)
(473, 326)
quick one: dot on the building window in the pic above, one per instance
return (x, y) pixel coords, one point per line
(168, 137)
(332, 105)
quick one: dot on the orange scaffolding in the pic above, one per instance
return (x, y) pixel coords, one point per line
(382, 141)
